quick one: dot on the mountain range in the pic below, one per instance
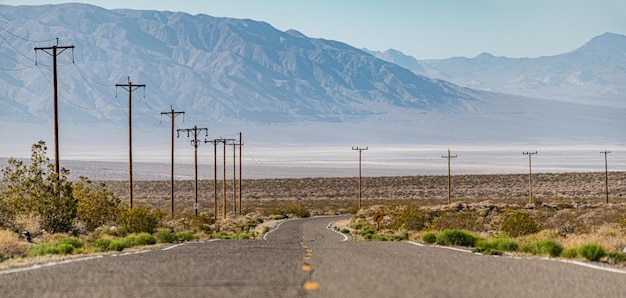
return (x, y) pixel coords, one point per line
(592, 74)
(282, 87)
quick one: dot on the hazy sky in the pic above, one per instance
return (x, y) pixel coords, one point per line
(425, 29)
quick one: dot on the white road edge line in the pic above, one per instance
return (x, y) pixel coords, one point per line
(345, 238)
(188, 242)
(53, 263)
(573, 262)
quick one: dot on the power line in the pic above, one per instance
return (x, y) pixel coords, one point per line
(24, 38)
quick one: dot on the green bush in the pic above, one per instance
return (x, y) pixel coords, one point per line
(591, 251)
(570, 253)
(42, 249)
(72, 241)
(120, 244)
(185, 236)
(455, 220)
(265, 229)
(96, 206)
(344, 231)
(139, 219)
(518, 223)
(496, 246)
(543, 247)
(429, 237)
(65, 249)
(2, 257)
(144, 239)
(456, 238)
(616, 257)
(165, 236)
(100, 245)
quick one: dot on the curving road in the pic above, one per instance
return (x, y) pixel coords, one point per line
(302, 258)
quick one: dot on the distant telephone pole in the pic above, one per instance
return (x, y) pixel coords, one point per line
(130, 87)
(360, 149)
(606, 173)
(449, 179)
(55, 52)
(530, 177)
(172, 114)
(195, 131)
(215, 142)
(240, 145)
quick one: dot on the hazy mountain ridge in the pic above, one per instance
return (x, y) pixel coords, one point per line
(230, 75)
(228, 68)
(591, 74)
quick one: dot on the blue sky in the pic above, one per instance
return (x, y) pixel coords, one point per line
(431, 29)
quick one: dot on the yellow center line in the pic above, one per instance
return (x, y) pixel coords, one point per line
(311, 285)
(307, 267)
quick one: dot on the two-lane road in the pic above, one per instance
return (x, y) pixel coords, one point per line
(302, 258)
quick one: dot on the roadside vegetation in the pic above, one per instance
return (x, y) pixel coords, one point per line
(66, 217)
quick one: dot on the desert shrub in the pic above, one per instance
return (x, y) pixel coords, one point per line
(616, 257)
(165, 236)
(518, 223)
(42, 249)
(96, 206)
(3, 257)
(409, 217)
(344, 231)
(139, 219)
(430, 237)
(543, 247)
(570, 253)
(62, 246)
(36, 189)
(456, 237)
(201, 222)
(144, 239)
(11, 245)
(120, 244)
(496, 246)
(591, 251)
(297, 210)
(185, 236)
(72, 241)
(452, 219)
(265, 229)
(65, 249)
(100, 245)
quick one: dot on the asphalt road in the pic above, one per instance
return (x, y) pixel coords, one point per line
(302, 258)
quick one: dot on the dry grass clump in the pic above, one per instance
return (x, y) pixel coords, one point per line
(11, 245)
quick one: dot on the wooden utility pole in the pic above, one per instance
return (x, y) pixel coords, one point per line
(214, 175)
(606, 173)
(359, 193)
(130, 87)
(530, 177)
(172, 114)
(449, 179)
(55, 52)
(195, 131)
(240, 144)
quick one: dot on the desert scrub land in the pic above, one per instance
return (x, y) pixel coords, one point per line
(491, 213)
